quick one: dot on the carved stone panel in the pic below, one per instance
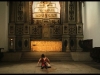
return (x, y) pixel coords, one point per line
(73, 44)
(46, 32)
(19, 43)
(37, 21)
(36, 31)
(72, 29)
(78, 44)
(25, 29)
(11, 29)
(71, 11)
(20, 12)
(30, 12)
(19, 29)
(65, 29)
(26, 43)
(79, 29)
(57, 30)
(46, 20)
(55, 21)
(45, 10)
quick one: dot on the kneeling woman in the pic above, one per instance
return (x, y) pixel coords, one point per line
(45, 62)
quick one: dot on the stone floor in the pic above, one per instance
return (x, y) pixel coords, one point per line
(31, 67)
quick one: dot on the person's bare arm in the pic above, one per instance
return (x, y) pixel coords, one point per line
(38, 62)
(48, 60)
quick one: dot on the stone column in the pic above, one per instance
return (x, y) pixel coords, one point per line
(79, 12)
(79, 25)
(66, 38)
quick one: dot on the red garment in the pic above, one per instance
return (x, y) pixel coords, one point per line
(43, 62)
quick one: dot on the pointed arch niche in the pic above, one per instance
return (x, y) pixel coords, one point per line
(41, 10)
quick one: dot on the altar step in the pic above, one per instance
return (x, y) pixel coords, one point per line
(53, 56)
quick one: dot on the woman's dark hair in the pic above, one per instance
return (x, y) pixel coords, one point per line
(42, 55)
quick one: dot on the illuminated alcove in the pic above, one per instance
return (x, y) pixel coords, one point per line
(46, 46)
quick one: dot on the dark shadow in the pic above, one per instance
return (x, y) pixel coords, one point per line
(12, 63)
(93, 64)
(1, 55)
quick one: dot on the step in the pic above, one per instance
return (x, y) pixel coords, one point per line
(47, 54)
(53, 56)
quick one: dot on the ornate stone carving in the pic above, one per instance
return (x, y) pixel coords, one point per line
(73, 44)
(19, 29)
(26, 29)
(65, 29)
(61, 22)
(30, 12)
(37, 21)
(26, 43)
(55, 21)
(46, 9)
(71, 11)
(35, 30)
(11, 29)
(19, 12)
(79, 29)
(19, 43)
(72, 30)
(57, 30)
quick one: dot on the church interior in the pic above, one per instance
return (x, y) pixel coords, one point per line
(65, 31)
